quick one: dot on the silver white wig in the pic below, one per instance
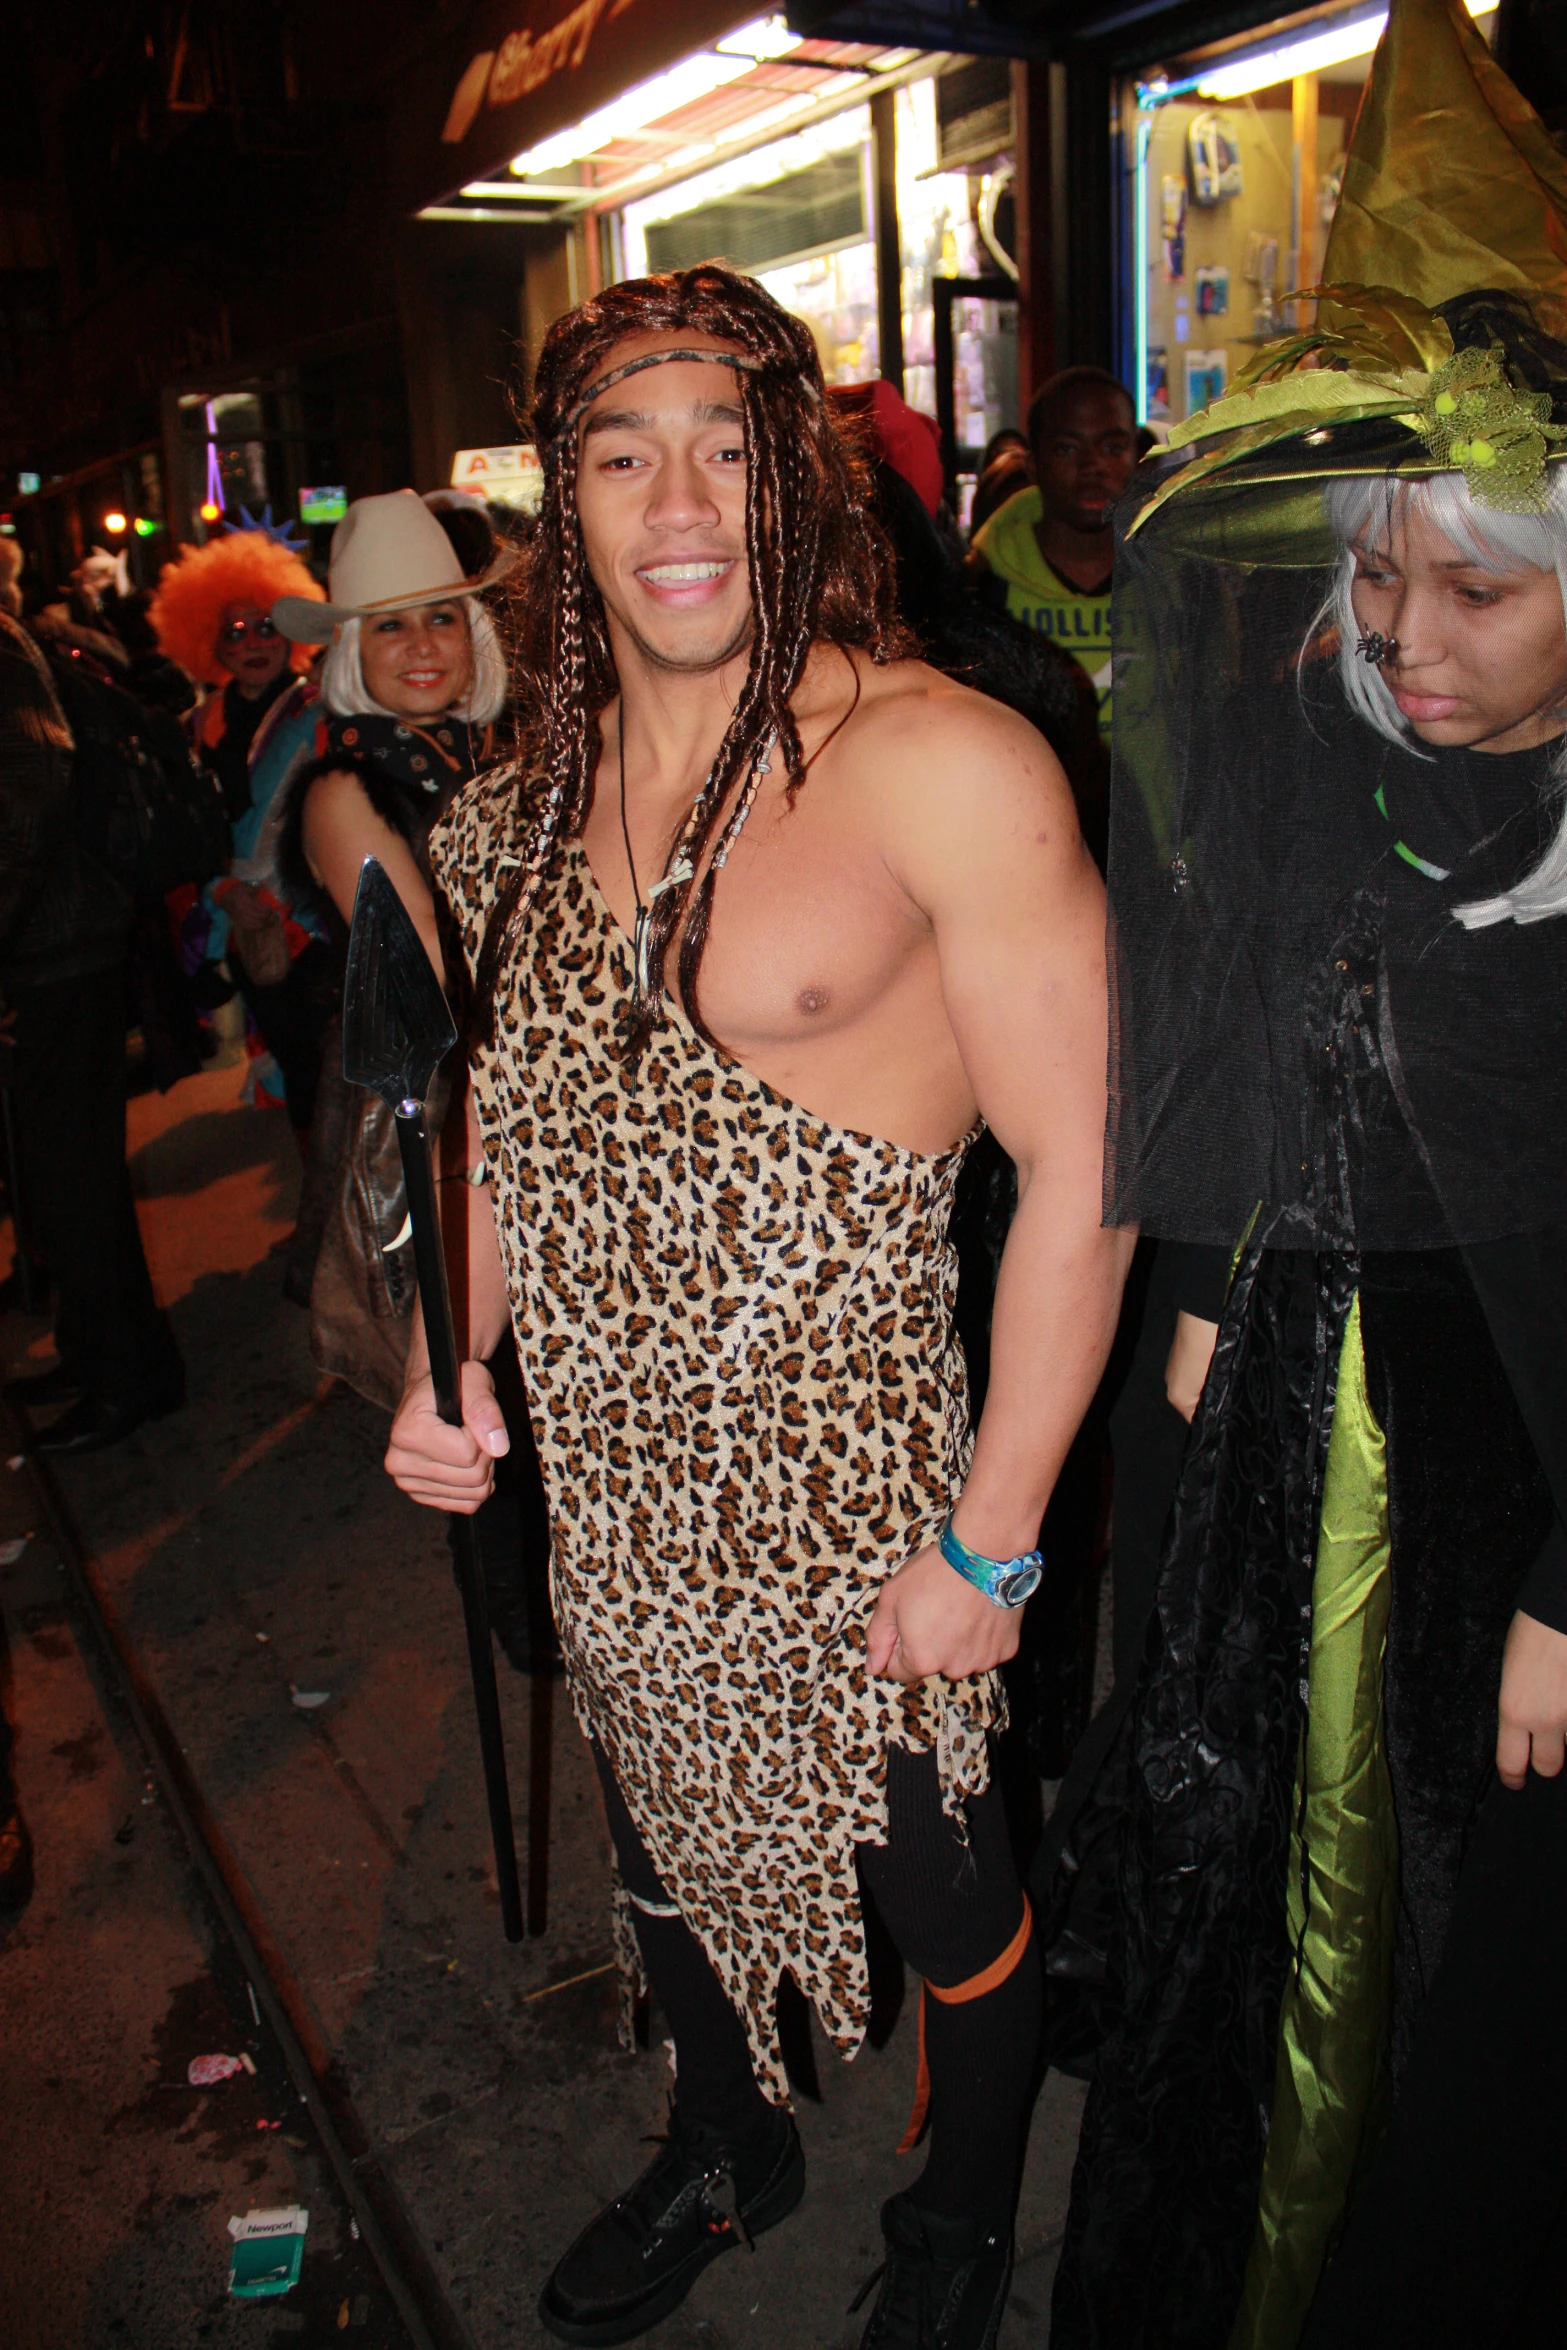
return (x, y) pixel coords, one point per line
(1493, 541)
(343, 678)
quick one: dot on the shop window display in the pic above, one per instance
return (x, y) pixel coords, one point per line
(1223, 238)
(1234, 190)
(761, 212)
(800, 218)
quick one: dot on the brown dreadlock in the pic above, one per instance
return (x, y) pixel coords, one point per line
(804, 492)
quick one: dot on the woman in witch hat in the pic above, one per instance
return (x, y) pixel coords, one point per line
(1329, 2103)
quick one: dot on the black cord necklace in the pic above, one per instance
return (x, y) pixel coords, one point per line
(671, 878)
(674, 875)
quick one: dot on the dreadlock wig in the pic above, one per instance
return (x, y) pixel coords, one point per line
(805, 494)
(242, 567)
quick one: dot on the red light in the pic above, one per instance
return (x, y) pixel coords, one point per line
(116, 524)
(211, 513)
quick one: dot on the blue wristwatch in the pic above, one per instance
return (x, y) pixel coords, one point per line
(1006, 1581)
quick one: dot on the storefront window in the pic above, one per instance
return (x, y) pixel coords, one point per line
(797, 215)
(1236, 172)
(835, 293)
(937, 238)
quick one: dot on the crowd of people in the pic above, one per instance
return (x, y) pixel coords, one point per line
(832, 1295)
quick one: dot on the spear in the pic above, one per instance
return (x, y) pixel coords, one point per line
(397, 1029)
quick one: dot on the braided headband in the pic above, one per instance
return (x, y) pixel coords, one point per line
(736, 359)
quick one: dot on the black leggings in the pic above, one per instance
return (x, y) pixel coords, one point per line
(952, 1907)
(292, 1017)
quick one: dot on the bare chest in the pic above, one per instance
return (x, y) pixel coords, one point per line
(820, 974)
(808, 928)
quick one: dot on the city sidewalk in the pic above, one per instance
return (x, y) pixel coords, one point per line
(118, 2176)
(258, 1556)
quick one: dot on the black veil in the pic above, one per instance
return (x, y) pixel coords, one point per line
(1300, 1024)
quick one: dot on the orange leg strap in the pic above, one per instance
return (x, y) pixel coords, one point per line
(989, 1978)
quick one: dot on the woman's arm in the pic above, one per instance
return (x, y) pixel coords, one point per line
(1191, 1351)
(340, 829)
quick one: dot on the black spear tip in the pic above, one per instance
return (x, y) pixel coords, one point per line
(397, 1025)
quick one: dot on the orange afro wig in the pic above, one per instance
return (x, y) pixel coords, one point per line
(242, 567)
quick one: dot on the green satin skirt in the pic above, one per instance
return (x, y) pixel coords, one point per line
(1331, 2088)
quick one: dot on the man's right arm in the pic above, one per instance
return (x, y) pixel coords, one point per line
(453, 1468)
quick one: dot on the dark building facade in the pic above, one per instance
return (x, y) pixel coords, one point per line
(209, 293)
(251, 247)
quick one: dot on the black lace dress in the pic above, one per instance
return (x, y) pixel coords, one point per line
(1465, 1385)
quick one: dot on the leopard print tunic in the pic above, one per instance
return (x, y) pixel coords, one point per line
(736, 1325)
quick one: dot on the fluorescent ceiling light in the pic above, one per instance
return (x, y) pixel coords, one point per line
(697, 152)
(649, 102)
(482, 212)
(760, 167)
(753, 126)
(512, 194)
(785, 111)
(764, 37)
(1313, 54)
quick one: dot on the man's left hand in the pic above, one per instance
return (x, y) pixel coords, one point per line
(1532, 1723)
(929, 1620)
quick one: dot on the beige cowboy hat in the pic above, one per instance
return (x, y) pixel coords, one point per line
(389, 554)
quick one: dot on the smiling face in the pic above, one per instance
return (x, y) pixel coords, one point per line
(661, 501)
(1481, 660)
(417, 664)
(250, 648)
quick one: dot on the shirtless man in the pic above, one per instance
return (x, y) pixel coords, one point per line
(719, 1190)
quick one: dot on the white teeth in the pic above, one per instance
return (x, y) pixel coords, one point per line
(680, 574)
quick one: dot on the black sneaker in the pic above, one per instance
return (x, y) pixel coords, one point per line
(639, 2259)
(944, 2283)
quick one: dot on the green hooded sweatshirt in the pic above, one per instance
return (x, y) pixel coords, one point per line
(1039, 596)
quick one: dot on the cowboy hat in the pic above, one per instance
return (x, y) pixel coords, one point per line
(389, 554)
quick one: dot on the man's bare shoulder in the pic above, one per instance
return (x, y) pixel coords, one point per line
(951, 772)
(914, 728)
(908, 701)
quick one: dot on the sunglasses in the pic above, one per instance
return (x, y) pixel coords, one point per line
(235, 632)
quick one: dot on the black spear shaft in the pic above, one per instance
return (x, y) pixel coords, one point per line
(397, 1028)
(441, 1339)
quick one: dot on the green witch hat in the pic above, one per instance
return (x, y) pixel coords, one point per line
(1451, 180)
(1451, 186)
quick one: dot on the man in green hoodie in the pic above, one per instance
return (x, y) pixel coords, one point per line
(1046, 555)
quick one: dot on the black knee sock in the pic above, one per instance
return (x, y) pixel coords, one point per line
(952, 1903)
(980, 2056)
(714, 2080)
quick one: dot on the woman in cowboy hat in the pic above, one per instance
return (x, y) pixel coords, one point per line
(414, 684)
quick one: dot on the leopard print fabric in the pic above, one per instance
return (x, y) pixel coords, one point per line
(736, 1325)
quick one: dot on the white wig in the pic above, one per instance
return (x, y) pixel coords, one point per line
(343, 679)
(1492, 541)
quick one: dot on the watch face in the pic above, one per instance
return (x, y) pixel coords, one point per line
(1012, 1589)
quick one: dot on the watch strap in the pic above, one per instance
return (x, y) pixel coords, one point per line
(996, 1578)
